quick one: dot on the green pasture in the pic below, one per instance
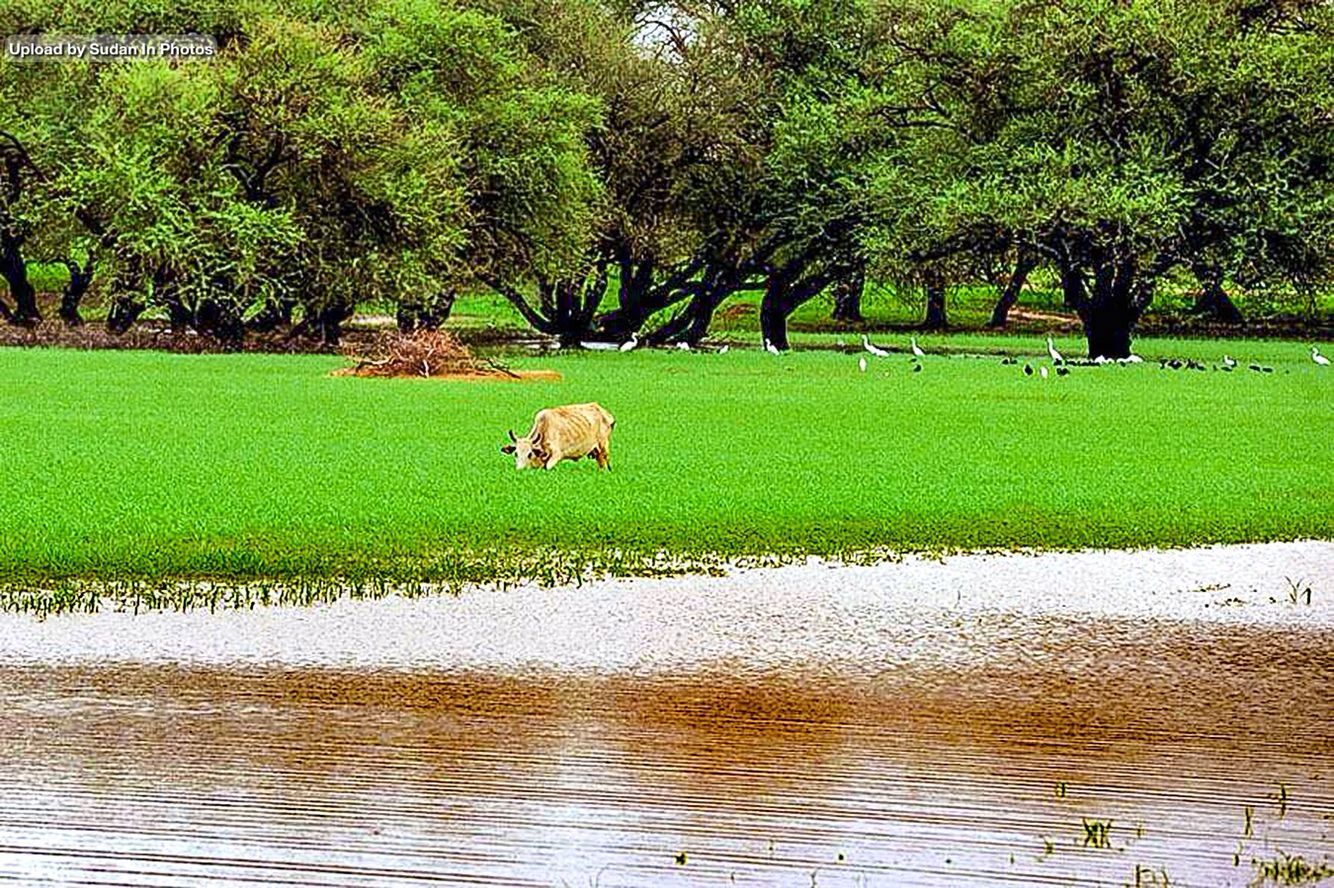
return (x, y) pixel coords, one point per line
(151, 466)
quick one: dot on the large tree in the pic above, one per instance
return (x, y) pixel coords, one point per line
(673, 102)
(329, 154)
(1116, 141)
(784, 215)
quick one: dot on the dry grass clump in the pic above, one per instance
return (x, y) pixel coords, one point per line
(424, 353)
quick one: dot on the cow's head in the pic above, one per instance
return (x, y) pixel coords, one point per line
(528, 452)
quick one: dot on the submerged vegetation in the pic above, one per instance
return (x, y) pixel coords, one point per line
(1285, 869)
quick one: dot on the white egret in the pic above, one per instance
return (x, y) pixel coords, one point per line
(861, 364)
(1042, 371)
(630, 343)
(723, 350)
(917, 352)
(683, 346)
(1130, 359)
(1055, 355)
(770, 347)
(1228, 362)
(873, 349)
(1318, 357)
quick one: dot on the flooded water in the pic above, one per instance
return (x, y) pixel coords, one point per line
(873, 728)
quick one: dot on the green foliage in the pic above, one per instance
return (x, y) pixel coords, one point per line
(327, 153)
(399, 151)
(1117, 139)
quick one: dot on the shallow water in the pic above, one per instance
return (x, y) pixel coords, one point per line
(970, 757)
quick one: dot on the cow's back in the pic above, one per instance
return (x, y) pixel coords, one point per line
(579, 425)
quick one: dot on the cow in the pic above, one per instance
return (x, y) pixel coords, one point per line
(570, 432)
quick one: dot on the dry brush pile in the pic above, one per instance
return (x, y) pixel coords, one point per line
(424, 353)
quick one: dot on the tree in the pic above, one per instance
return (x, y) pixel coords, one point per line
(815, 125)
(1025, 261)
(19, 171)
(385, 149)
(1113, 140)
(672, 102)
(848, 297)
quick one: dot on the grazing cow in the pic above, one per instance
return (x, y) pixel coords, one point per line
(570, 432)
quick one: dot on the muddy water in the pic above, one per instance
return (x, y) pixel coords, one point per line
(973, 768)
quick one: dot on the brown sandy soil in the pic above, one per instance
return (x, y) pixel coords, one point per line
(1018, 313)
(160, 337)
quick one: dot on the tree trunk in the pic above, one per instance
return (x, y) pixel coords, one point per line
(641, 296)
(1009, 295)
(784, 295)
(127, 283)
(692, 324)
(180, 315)
(700, 314)
(1213, 301)
(1110, 308)
(565, 318)
(275, 313)
(406, 317)
(565, 307)
(675, 328)
(848, 298)
(1107, 327)
(935, 304)
(329, 319)
(774, 311)
(122, 314)
(220, 320)
(15, 272)
(80, 279)
(437, 310)
(323, 321)
(428, 315)
(636, 300)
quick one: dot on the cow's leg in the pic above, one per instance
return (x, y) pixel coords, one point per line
(604, 454)
(552, 459)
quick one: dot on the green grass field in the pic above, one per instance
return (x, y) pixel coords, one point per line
(153, 466)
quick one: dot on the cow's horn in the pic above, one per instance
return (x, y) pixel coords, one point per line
(511, 433)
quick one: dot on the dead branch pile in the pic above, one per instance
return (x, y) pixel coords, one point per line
(424, 353)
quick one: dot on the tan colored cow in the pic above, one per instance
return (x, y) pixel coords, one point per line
(570, 432)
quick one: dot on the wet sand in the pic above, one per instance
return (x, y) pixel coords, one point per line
(921, 723)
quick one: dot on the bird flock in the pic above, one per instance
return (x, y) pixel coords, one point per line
(1059, 363)
(1061, 366)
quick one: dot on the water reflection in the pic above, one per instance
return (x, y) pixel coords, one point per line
(980, 771)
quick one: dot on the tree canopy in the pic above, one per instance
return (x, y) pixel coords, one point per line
(625, 167)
